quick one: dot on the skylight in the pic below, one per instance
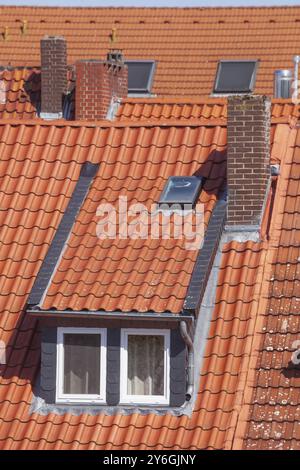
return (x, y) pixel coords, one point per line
(181, 190)
(235, 76)
(140, 76)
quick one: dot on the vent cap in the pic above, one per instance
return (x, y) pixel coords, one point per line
(283, 80)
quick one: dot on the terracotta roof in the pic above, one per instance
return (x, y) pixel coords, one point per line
(135, 161)
(40, 164)
(185, 42)
(144, 274)
(148, 109)
(274, 411)
(22, 101)
(20, 90)
(209, 425)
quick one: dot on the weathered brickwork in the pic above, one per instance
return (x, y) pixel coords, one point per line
(54, 74)
(248, 158)
(98, 83)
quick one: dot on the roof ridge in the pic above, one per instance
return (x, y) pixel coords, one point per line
(129, 123)
(162, 122)
(238, 7)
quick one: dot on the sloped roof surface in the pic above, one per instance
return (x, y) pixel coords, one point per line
(39, 168)
(274, 413)
(20, 90)
(170, 108)
(186, 42)
(143, 274)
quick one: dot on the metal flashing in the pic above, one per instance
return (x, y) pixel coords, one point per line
(51, 116)
(205, 259)
(36, 311)
(44, 276)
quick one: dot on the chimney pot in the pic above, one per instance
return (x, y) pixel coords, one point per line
(115, 55)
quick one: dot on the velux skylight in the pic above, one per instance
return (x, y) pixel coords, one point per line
(236, 76)
(181, 190)
(140, 76)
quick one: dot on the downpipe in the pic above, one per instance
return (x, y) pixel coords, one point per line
(296, 76)
(190, 367)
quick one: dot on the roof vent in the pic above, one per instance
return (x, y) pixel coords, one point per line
(140, 76)
(283, 83)
(24, 26)
(115, 55)
(235, 76)
(275, 170)
(181, 190)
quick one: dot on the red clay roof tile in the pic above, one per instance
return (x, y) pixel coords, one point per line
(273, 414)
(231, 383)
(186, 47)
(136, 275)
(171, 108)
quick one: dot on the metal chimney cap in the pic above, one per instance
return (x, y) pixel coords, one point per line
(297, 58)
(283, 73)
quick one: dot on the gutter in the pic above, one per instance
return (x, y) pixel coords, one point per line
(101, 314)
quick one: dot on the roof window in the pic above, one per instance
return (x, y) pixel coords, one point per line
(236, 76)
(181, 190)
(140, 76)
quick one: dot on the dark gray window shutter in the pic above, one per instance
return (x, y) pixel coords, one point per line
(48, 365)
(177, 369)
(113, 366)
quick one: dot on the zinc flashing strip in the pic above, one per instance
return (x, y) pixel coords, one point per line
(203, 321)
(39, 406)
(113, 109)
(56, 249)
(101, 314)
(205, 259)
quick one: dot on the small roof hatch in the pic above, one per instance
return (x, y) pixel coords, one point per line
(181, 190)
(236, 76)
(140, 76)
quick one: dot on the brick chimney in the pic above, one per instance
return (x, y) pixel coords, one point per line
(53, 76)
(99, 84)
(248, 160)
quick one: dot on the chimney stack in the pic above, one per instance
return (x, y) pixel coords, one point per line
(248, 160)
(99, 84)
(53, 76)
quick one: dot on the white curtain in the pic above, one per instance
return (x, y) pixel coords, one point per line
(81, 363)
(145, 365)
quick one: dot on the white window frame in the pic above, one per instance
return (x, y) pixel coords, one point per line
(126, 399)
(80, 398)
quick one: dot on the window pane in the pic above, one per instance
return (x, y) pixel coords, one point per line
(235, 76)
(145, 365)
(82, 363)
(139, 76)
(181, 190)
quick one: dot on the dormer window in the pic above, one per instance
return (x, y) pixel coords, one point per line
(81, 365)
(112, 366)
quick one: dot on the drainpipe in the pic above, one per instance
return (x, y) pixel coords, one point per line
(190, 368)
(296, 75)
